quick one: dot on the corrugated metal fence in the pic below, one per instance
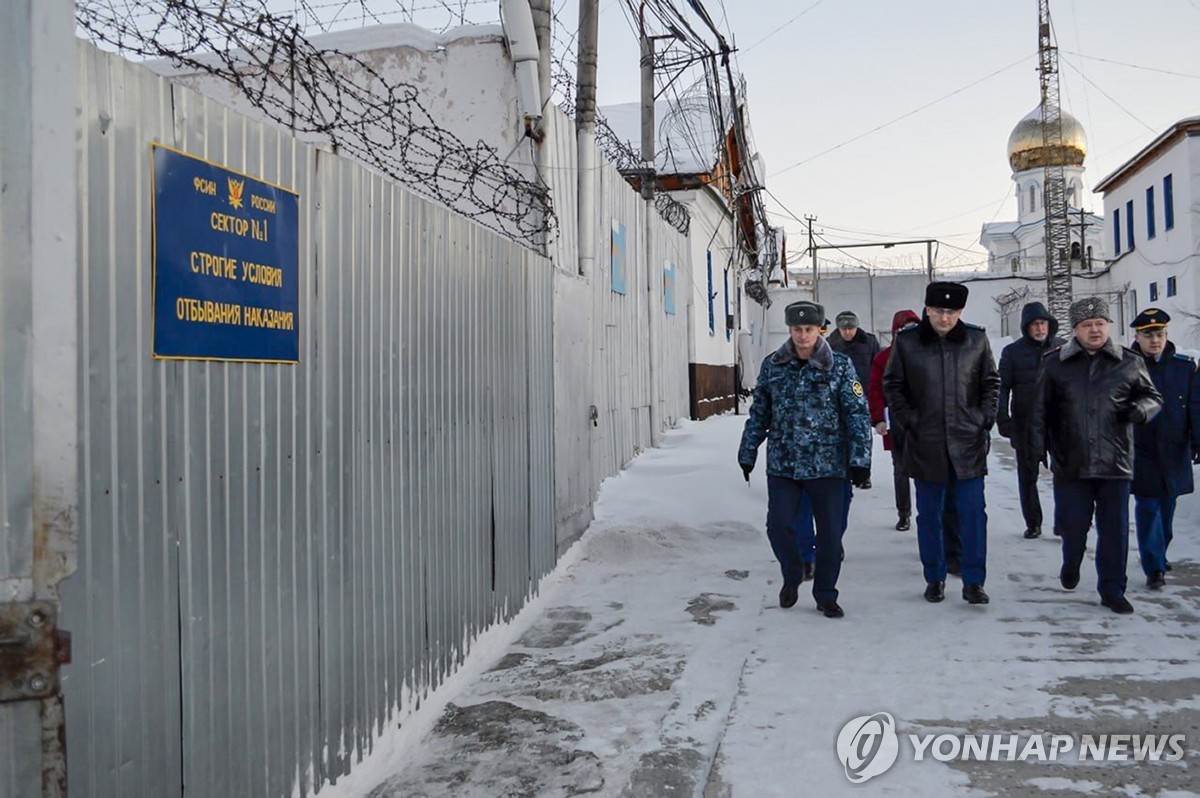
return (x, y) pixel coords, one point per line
(276, 561)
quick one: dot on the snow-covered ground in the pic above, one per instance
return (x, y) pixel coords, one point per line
(656, 660)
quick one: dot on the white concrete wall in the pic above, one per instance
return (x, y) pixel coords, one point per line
(712, 233)
(1171, 253)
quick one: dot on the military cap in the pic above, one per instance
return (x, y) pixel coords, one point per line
(1150, 319)
(803, 312)
(951, 296)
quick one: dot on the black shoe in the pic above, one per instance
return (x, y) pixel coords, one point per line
(1156, 580)
(788, 595)
(810, 570)
(935, 592)
(1120, 605)
(1057, 532)
(866, 485)
(830, 608)
(973, 594)
(902, 525)
(1068, 578)
(954, 567)
(1033, 532)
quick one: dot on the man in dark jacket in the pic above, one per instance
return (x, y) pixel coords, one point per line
(1089, 394)
(1164, 449)
(1019, 363)
(809, 406)
(941, 387)
(855, 343)
(878, 407)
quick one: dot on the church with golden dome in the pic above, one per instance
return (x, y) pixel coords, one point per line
(1018, 247)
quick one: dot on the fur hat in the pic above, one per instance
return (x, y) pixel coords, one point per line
(803, 312)
(952, 296)
(1090, 307)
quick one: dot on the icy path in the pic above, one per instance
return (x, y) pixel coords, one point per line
(658, 662)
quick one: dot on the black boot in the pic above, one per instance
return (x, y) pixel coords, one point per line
(973, 594)
(1069, 578)
(902, 525)
(935, 592)
(1156, 580)
(788, 595)
(1120, 605)
(1033, 532)
(830, 608)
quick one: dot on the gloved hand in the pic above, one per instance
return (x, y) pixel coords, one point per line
(860, 477)
(1006, 427)
(746, 469)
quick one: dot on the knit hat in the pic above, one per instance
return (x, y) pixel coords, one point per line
(847, 319)
(803, 312)
(1090, 307)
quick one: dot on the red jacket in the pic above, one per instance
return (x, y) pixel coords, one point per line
(875, 401)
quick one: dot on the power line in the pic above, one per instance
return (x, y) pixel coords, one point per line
(902, 117)
(784, 25)
(1132, 66)
(1111, 99)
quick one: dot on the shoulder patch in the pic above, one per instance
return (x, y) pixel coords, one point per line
(857, 388)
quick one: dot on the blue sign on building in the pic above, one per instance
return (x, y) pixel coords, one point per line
(226, 263)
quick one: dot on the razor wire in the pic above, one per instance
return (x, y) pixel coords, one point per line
(328, 94)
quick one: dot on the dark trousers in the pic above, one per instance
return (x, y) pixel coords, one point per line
(1076, 501)
(900, 480)
(951, 539)
(827, 498)
(806, 536)
(1154, 517)
(1027, 479)
(969, 506)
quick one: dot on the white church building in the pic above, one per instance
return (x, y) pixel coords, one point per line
(1018, 247)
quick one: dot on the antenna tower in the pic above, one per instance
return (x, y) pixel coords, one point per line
(1054, 201)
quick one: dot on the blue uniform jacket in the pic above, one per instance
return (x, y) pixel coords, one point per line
(1162, 449)
(814, 417)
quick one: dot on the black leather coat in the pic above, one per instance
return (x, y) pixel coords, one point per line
(941, 393)
(1083, 409)
(1019, 364)
(861, 349)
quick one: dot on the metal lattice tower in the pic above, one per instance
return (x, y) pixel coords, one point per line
(1054, 201)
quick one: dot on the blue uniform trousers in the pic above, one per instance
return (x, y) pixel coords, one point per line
(970, 510)
(806, 536)
(826, 497)
(1154, 516)
(1075, 502)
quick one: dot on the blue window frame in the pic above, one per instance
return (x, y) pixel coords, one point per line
(1168, 203)
(1116, 231)
(712, 320)
(728, 326)
(1129, 224)
(1171, 287)
(1153, 292)
(1150, 212)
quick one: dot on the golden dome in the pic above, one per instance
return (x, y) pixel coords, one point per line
(1025, 150)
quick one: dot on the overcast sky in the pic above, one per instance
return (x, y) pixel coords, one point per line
(845, 67)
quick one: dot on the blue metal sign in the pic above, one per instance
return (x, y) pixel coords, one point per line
(226, 263)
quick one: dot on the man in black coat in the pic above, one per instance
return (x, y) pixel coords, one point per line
(855, 343)
(1165, 449)
(1089, 395)
(941, 388)
(1019, 363)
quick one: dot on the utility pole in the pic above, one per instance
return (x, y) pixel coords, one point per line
(648, 180)
(585, 127)
(929, 260)
(812, 253)
(1054, 202)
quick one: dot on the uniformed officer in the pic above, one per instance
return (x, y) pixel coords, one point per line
(941, 387)
(1165, 449)
(810, 407)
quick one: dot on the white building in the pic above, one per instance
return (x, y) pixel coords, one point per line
(1018, 247)
(1151, 204)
